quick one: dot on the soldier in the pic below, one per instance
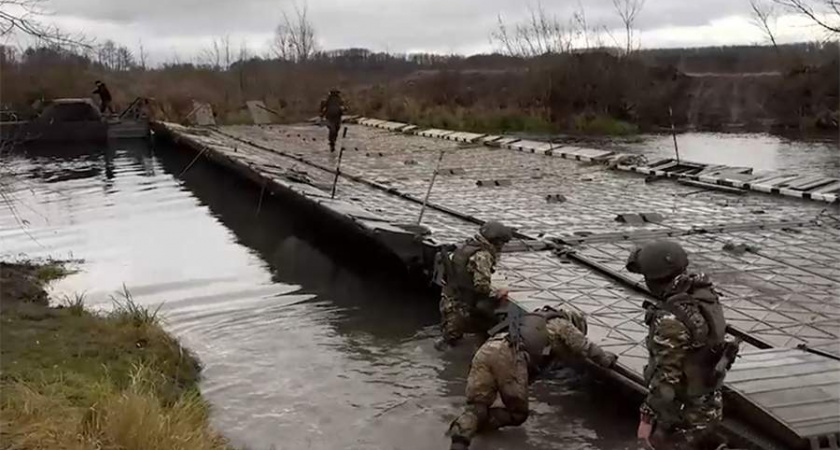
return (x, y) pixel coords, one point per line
(332, 108)
(468, 299)
(104, 97)
(688, 352)
(511, 359)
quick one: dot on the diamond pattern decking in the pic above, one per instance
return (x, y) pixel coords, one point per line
(786, 292)
(614, 313)
(776, 260)
(785, 299)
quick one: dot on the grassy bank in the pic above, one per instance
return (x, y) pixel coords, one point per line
(72, 379)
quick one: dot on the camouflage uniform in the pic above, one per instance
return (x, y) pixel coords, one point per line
(684, 409)
(462, 315)
(332, 108)
(498, 368)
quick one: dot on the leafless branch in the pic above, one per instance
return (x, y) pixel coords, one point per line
(25, 17)
(764, 18)
(628, 11)
(824, 13)
(540, 34)
(295, 38)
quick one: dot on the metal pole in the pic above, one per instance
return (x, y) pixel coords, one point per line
(429, 191)
(674, 133)
(337, 171)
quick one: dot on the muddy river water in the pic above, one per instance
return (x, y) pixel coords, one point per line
(302, 346)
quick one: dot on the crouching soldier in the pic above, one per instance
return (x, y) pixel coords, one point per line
(468, 298)
(511, 359)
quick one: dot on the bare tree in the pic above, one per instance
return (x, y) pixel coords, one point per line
(107, 55)
(824, 13)
(539, 35)
(219, 55)
(582, 26)
(628, 11)
(294, 37)
(241, 64)
(764, 18)
(124, 59)
(141, 55)
(25, 17)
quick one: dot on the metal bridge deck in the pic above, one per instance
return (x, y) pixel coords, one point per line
(776, 260)
(798, 388)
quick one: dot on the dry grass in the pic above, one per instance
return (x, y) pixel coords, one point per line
(77, 380)
(41, 415)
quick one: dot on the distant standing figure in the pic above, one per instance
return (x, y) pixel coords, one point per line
(332, 108)
(104, 97)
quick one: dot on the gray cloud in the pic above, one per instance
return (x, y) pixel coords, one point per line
(394, 25)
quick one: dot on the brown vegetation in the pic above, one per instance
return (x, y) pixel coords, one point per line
(552, 92)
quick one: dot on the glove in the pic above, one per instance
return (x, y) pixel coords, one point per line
(602, 358)
(609, 359)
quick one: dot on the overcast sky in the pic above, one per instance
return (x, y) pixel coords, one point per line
(170, 29)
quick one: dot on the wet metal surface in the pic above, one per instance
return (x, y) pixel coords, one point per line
(775, 259)
(784, 289)
(800, 388)
(302, 348)
(760, 151)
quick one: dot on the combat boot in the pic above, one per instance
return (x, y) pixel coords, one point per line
(459, 443)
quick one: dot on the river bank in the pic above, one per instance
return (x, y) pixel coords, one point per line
(74, 379)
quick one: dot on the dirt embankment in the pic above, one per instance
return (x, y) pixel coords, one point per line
(73, 379)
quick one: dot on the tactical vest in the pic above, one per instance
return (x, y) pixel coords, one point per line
(699, 310)
(534, 341)
(459, 280)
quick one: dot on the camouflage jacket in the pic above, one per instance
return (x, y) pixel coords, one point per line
(482, 265)
(671, 345)
(570, 344)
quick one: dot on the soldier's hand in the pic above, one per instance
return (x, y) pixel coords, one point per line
(609, 359)
(600, 357)
(645, 430)
(502, 293)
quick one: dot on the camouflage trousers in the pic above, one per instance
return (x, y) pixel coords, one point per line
(496, 370)
(695, 428)
(458, 319)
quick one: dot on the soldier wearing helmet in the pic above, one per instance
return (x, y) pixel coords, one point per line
(688, 351)
(511, 359)
(468, 298)
(332, 109)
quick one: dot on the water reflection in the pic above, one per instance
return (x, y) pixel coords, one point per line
(759, 151)
(302, 347)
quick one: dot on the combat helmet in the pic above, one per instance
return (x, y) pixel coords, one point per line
(496, 233)
(658, 260)
(533, 336)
